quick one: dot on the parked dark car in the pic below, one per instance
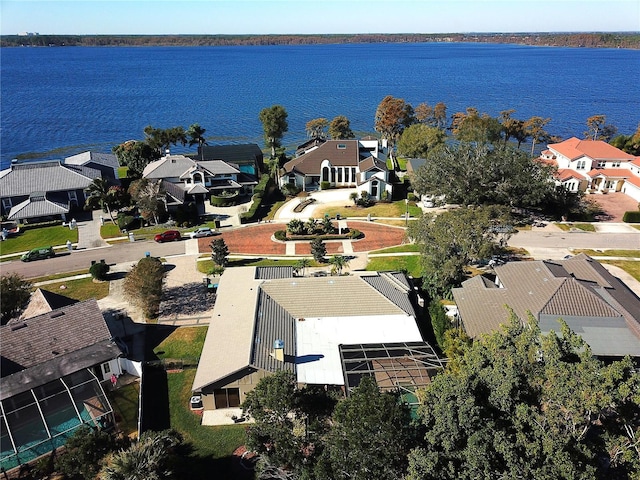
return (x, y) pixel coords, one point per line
(38, 254)
(168, 236)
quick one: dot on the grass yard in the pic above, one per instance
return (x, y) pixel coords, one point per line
(124, 401)
(608, 253)
(587, 227)
(30, 238)
(212, 446)
(409, 247)
(395, 209)
(81, 289)
(206, 266)
(632, 267)
(184, 342)
(408, 263)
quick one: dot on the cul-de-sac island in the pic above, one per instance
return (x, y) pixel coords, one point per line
(453, 296)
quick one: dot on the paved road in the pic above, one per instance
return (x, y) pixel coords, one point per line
(81, 259)
(546, 244)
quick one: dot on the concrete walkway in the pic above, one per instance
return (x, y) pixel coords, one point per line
(89, 232)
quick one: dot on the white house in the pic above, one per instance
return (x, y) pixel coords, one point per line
(341, 164)
(594, 166)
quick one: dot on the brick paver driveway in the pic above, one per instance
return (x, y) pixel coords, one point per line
(614, 205)
(257, 239)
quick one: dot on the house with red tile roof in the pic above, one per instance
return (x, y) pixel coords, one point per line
(594, 166)
(357, 164)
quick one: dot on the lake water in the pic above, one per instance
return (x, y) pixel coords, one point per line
(60, 101)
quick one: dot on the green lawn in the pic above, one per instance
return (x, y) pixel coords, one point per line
(587, 227)
(184, 342)
(81, 289)
(630, 266)
(395, 209)
(409, 247)
(109, 230)
(124, 401)
(408, 263)
(35, 237)
(608, 253)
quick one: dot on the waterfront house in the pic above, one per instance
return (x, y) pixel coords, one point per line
(595, 304)
(54, 368)
(328, 331)
(187, 180)
(357, 164)
(594, 166)
(34, 191)
(246, 157)
(107, 163)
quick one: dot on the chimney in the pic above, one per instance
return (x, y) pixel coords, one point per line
(278, 350)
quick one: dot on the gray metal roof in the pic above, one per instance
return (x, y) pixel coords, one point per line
(394, 290)
(273, 323)
(42, 348)
(171, 166)
(270, 273)
(239, 154)
(25, 178)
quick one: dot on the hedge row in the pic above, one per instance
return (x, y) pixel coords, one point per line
(631, 217)
(258, 194)
(351, 235)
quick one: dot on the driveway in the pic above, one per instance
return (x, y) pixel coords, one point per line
(614, 205)
(323, 199)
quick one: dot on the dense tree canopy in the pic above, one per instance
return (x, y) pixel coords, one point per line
(599, 129)
(143, 285)
(275, 125)
(520, 405)
(161, 139)
(15, 293)
(316, 128)
(105, 196)
(340, 128)
(435, 116)
(393, 115)
(628, 143)
(452, 240)
(471, 174)
(475, 127)
(149, 198)
(135, 155)
(534, 129)
(418, 139)
(219, 252)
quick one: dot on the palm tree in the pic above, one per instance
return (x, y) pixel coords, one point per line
(196, 136)
(338, 262)
(98, 195)
(303, 263)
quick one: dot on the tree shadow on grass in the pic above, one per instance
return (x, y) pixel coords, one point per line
(186, 300)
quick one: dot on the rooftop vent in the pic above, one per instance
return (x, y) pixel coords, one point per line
(18, 326)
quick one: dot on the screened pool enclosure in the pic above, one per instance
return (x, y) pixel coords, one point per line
(38, 420)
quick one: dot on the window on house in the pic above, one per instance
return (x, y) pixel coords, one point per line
(602, 164)
(581, 164)
(333, 175)
(342, 146)
(615, 164)
(106, 368)
(73, 196)
(6, 204)
(353, 174)
(325, 174)
(226, 397)
(339, 175)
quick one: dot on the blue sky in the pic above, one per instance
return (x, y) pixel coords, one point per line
(315, 16)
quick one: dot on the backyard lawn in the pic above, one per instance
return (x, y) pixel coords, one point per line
(408, 263)
(80, 289)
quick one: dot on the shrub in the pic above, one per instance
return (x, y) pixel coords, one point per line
(258, 194)
(353, 233)
(290, 190)
(99, 270)
(125, 221)
(325, 185)
(411, 197)
(439, 321)
(631, 217)
(280, 235)
(224, 200)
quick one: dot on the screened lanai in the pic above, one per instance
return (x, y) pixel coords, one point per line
(38, 420)
(394, 366)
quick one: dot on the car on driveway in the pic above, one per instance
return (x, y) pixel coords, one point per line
(202, 232)
(168, 236)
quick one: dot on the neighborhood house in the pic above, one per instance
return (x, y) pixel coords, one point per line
(594, 166)
(579, 290)
(341, 163)
(326, 330)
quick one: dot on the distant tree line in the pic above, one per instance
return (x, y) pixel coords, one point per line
(591, 40)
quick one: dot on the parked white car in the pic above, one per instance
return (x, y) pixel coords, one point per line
(202, 232)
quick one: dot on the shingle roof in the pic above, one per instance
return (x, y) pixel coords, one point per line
(310, 162)
(46, 347)
(575, 288)
(25, 178)
(371, 163)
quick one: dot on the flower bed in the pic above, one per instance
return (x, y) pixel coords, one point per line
(352, 234)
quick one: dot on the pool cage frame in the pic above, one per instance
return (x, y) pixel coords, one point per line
(40, 419)
(402, 366)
